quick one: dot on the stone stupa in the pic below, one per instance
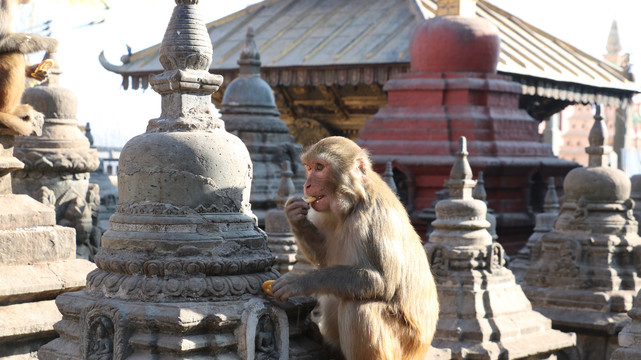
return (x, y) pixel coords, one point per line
(58, 163)
(484, 313)
(180, 270)
(586, 277)
(37, 262)
(250, 112)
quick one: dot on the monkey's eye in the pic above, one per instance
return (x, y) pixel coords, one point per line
(319, 166)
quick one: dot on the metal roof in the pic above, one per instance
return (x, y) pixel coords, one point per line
(371, 34)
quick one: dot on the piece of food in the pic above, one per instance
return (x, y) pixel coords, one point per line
(43, 66)
(309, 199)
(267, 287)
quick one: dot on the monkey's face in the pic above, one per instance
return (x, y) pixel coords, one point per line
(319, 183)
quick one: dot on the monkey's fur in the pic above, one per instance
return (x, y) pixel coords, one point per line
(20, 119)
(377, 295)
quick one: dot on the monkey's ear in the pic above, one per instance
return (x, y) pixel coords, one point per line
(362, 165)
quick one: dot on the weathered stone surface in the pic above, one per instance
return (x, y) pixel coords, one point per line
(484, 314)
(37, 244)
(21, 211)
(585, 278)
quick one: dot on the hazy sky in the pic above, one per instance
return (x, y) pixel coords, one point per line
(84, 30)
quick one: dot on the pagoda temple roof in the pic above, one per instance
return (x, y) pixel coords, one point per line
(305, 42)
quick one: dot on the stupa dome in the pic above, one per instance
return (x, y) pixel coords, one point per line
(597, 185)
(455, 44)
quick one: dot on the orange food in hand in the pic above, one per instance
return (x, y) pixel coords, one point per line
(267, 287)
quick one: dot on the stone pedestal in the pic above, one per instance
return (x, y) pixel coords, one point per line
(249, 111)
(453, 90)
(484, 313)
(37, 262)
(180, 270)
(587, 275)
(58, 163)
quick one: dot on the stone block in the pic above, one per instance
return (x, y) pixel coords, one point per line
(37, 245)
(22, 283)
(22, 211)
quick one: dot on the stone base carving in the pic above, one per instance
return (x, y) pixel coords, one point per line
(111, 329)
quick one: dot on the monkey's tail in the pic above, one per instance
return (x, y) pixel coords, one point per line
(17, 125)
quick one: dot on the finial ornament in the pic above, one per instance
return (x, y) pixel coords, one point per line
(249, 61)
(551, 202)
(460, 182)
(388, 177)
(479, 192)
(461, 169)
(597, 151)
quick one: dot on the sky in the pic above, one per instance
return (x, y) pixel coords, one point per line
(85, 28)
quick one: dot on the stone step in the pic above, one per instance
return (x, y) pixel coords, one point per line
(22, 283)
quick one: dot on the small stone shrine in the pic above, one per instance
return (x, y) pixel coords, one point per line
(586, 277)
(544, 224)
(484, 313)
(37, 262)
(453, 90)
(249, 111)
(181, 266)
(630, 336)
(58, 163)
(280, 239)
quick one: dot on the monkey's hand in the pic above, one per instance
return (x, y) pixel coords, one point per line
(40, 71)
(296, 211)
(287, 286)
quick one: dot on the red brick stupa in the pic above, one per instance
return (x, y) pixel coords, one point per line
(453, 90)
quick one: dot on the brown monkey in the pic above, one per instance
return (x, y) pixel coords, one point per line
(376, 293)
(18, 118)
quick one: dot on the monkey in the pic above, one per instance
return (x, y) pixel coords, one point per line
(20, 119)
(376, 293)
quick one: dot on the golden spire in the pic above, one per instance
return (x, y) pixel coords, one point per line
(456, 7)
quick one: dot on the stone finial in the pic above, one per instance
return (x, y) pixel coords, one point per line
(479, 192)
(614, 44)
(598, 151)
(88, 134)
(388, 177)
(460, 182)
(249, 61)
(551, 201)
(286, 187)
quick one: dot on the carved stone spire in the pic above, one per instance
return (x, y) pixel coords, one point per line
(388, 177)
(597, 151)
(614, 44)
(470, 268)
(249, 61)
(183, 259)
(460, 182)
(551, 201)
